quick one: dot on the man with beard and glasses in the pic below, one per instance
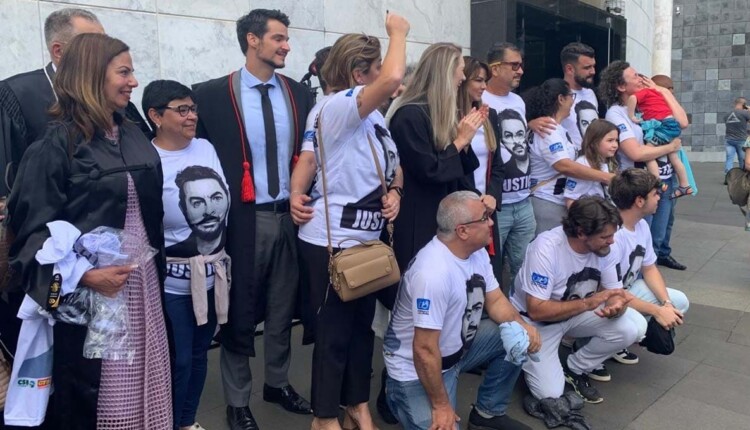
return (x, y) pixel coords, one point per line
(557, 291)
(255, 118)
(515, 219)
(579, 68)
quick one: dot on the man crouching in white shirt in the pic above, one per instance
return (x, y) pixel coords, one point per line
(636, 194)
(436, 331)
(557, 289)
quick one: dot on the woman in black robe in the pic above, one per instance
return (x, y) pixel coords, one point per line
(94, 168)
(434, 145)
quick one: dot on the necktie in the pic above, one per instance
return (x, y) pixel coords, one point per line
(272, 159)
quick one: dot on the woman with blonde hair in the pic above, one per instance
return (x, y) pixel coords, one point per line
(434, 145)
(98, 170)
(349, 137)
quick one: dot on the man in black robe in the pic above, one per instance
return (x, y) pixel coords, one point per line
(256, 118)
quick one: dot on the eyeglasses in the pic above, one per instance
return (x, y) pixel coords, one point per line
(487, 215)
(573, 95)
(183, 110)
(514, 65)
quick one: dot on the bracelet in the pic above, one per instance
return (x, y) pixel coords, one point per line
(667, 302)
(297, 192)
(398, 190)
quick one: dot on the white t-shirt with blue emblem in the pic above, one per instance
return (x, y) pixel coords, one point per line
(552, 270)
(577, 188)
(439, 291)
(354, 187)
(546, 151)
(632, 250)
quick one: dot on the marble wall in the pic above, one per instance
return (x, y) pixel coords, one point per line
(640, 40)
(195, 40)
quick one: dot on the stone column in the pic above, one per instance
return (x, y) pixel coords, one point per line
(661, 60)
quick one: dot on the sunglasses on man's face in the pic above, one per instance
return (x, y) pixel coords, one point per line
(514, 65)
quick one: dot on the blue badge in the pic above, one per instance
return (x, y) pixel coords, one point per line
(309, 135)
(556, 147)
(423, 306)
(539, 280)
(622, 127)
(350, 92)
(570, 184)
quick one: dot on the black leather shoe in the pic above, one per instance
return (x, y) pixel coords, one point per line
(670, 262)
(288, 398)
(241, 419)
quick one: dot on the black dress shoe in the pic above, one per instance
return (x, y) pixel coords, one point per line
(288, 398)
(670, 262)
(241, 419)
(382, 404)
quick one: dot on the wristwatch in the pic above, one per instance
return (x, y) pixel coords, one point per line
(399, 190)
(667, 302)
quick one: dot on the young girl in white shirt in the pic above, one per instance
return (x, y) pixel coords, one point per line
(598, 149)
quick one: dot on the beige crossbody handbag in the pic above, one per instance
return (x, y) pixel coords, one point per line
(365, 268)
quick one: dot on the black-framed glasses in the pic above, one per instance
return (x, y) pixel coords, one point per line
(183, 110)
(514, 65)
(487, 215)
(573, 95)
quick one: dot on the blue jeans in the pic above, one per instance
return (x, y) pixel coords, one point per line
(661, 222)
(190, 360)
(516, 226)
(408, 399)
(734, 147)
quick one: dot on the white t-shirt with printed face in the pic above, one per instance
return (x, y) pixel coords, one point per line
(479, 146)
(354, 188)
(513, 145)
(583, 112)
(577, 188)
(618, 115)
(552, 270)
(631, 251)
(194, 221)
(442, 292)
(546, 151)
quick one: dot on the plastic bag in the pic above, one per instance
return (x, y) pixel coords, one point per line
(106, 317)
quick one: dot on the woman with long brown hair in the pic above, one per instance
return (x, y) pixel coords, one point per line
(98, 170)
(488, 177)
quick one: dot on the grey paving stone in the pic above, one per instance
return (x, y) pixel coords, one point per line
(674, 412)
(730, 356)
(717, 387)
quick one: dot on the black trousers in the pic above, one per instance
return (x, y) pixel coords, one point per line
(342, 357)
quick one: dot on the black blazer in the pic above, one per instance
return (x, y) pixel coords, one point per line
(218, 123)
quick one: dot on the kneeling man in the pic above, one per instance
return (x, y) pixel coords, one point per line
(636, 194)
(557, 289)
(436, 331)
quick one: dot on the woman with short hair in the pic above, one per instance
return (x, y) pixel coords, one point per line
(196, 203)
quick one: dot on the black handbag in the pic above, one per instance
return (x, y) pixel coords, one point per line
(658, 339)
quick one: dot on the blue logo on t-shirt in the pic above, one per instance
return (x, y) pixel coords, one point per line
(423, 306)
(350, 92)
(309, 135)
(570, 184)
(622, 127)
(539, 280)
(556, 147)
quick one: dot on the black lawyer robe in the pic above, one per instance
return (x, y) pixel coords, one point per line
(25, 100)
(219, 125)
(429, 176)
(88, 190)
